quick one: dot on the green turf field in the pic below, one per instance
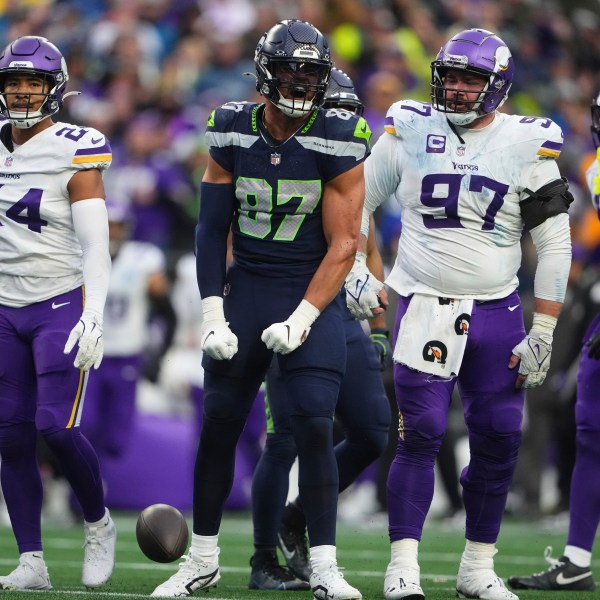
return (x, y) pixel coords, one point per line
(363, 552)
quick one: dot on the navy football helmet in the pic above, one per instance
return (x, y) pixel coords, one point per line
(481, 53)
(595, 127)
(341, 93)
(293, 65)
(36, 56)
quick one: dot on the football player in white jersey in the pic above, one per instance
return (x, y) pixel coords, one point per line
(138, 284)
(468, 179)
(54, 273)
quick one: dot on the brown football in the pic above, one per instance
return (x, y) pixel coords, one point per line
(162, 533)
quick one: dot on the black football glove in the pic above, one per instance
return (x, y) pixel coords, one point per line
(593, 345)
(381, 341)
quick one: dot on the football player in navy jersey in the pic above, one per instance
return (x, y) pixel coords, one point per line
(572, 570)
(287, 178)
(363, 411)
(54, 274)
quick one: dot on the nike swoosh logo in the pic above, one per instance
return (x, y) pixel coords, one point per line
(511, 308)
(56, 305)
(562, 580)
(288, 330)
(286, 553)
(95, 141)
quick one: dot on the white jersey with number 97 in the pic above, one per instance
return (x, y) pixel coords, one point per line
(459, 192)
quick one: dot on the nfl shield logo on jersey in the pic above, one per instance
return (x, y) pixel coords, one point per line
(8, 161)
(275, 158)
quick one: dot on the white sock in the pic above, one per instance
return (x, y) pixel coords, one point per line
(578, 556)
(405, 552)
(321, 557)
(205, 547)
(103, 521)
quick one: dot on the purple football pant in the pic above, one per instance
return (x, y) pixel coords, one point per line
(110, 404)
(584, 510)
(41, 390)
(493, 411)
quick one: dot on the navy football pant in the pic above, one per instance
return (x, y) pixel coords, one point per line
(311, 374)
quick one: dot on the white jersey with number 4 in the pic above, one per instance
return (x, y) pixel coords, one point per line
(40, 255)
(459, 193)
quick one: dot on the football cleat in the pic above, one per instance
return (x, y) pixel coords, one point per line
(482, 583)
(561, 575)
(31, 574)
(402, 582)
(293, 544)
(329, 584)
(268, 574)
(194, 574)
(99, 553)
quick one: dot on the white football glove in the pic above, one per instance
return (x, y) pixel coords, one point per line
(88, 332)
(285, 337)
(362, 289)
(216, 339)
(535, 351)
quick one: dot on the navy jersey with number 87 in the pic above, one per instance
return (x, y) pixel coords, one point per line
(277, 227)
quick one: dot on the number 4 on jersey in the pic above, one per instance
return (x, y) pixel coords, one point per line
(27, 210)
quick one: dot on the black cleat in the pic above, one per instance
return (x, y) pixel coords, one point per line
(293, 544)
(268, 574)
(561, 575)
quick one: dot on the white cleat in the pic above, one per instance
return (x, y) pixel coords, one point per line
(402, 582)
(99, 553)
(31, 574)
(329, 584)
(194, 574)
(482, 583)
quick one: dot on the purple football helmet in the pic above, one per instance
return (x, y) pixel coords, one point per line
(35, 56)
(293, 57)
(481, 53)
(595, 127)
(341, 93)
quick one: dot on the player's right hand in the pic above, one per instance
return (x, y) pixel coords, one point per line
(363, 290)
(217, 340)
(88, 332)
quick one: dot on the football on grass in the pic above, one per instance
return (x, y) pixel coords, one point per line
(162, 533)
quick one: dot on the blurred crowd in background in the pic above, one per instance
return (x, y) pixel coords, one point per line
(151, 71)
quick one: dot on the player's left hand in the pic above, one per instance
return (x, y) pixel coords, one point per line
(285, 337)
(88, 332)
(593, 345)
(534, 356)
(381, 341)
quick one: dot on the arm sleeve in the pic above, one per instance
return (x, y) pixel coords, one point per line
(217, 205)
(381, 172)
(552, 240)
(90, 222)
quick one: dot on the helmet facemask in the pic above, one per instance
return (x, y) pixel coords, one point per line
(295, 87)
